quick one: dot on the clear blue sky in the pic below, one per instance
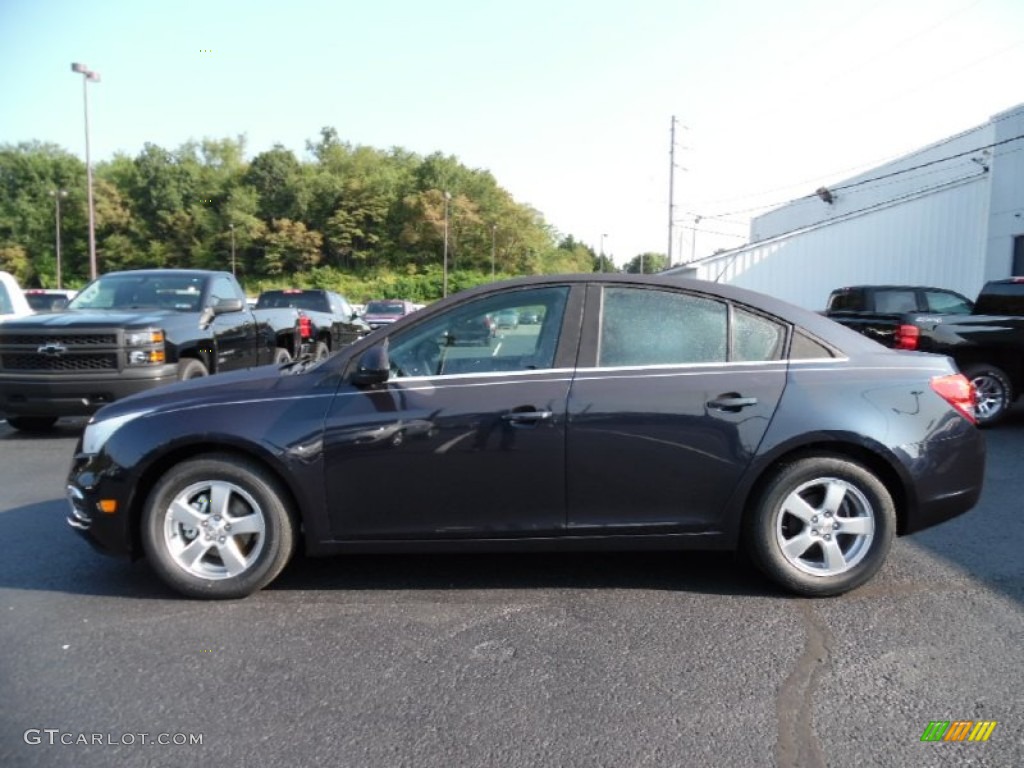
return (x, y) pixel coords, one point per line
(566, 102)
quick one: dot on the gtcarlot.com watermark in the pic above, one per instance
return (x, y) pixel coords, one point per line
(55, 736)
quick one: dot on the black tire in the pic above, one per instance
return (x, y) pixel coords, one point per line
(824, 556)
(193, 557)
(32, 423)
(282, 356)
(321, 351)
(191, 368)
(995, 393)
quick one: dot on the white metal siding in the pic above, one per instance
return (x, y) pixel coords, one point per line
(936, 239)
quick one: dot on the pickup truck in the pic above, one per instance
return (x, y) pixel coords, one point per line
(984, 337)
(129, 332)
(327, 322)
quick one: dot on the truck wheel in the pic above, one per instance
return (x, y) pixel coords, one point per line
(32, 423)
(282, 356)
(995, 393)
(217, 527)
(821, 526)
(321, 351)
(190, 368)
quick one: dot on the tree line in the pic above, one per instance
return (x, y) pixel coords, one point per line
(362, 220)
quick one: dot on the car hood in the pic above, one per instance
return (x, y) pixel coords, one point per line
(223, 388)
(94, 318)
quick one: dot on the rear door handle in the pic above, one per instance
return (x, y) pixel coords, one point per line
(527, 417)
(731, 403)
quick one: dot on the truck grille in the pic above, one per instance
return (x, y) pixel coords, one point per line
(69, 340)
(30, 361)
(60, 351)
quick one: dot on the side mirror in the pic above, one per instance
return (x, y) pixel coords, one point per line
(374, 367)
(228, 305)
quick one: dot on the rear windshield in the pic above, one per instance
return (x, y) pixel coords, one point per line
(847, 300)
(385, 308)
(311, 300)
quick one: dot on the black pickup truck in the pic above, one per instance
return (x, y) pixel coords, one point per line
(128, 332)
(984, 337)
(327, 322)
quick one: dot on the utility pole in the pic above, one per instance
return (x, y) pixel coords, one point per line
(671, 185)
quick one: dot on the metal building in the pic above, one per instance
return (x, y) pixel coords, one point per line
(950, 215)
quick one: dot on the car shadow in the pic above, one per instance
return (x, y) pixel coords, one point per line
(42, 553)
(717, 573)
(72, 566)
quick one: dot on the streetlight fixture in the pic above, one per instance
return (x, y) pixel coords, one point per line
(600, 261)
(232, 227)
(87, 76)
(494, 234)
(447, 199)
(57, 194)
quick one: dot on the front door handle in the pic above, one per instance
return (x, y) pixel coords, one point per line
(527, 417)
(731, 403)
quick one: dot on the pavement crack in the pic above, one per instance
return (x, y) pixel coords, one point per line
(798, 745)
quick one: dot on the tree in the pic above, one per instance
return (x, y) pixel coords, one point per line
(648, 263)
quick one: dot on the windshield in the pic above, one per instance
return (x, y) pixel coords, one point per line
(175, 292)
(385, 308)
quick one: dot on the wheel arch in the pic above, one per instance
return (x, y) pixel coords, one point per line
(158, 464)
(871, 457)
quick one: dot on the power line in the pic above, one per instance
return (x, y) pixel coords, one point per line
(877, 178)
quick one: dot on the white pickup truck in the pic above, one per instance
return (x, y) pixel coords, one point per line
(12, 300)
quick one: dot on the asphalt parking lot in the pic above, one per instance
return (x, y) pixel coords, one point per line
(661, 659)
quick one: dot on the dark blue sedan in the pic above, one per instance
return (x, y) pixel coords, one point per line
(640, 413)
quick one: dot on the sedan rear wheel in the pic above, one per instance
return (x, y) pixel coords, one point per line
(217, 527)
(822, 526)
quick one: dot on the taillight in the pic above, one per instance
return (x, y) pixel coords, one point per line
(305, 327)
(957, 390)
(907, 336)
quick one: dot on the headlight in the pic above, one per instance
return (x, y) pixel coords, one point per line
(142, 338)
(98, 432)
(152, 338)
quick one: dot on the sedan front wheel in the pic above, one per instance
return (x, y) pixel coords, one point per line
(217, 527)
(821, 526)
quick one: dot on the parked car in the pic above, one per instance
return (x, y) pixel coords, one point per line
(48, 299)
(129, 332)
(327, 321)
(12, 300)
(386, 311)
(985, 337)
(507, 318)
(734, 420)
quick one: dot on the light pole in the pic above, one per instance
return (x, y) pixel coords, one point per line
(447, 199)
(57, 194)
(88, 75)
(232, 227)
(693, 242)
(494, 235)
(600, 260)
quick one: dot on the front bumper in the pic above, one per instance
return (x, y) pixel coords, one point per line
(95, 479)
(78, 395)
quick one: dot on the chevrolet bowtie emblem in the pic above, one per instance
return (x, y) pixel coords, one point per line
(52, 350)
